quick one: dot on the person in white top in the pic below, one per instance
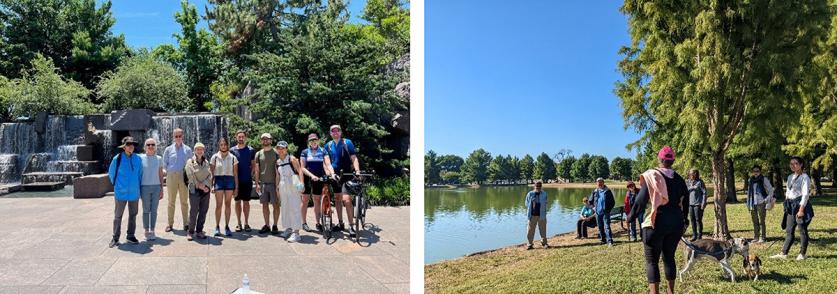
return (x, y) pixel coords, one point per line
(798, 211)
(289, 188)
(224, 167)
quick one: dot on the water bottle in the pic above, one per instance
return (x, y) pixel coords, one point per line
(245, 285)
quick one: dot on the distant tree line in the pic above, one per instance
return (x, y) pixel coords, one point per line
(480, 167)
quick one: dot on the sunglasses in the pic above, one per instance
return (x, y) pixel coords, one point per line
(335, 131)
(150, 145)
(178, 136)
(312, 140)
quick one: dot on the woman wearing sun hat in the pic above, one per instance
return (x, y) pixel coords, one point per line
(664, 193)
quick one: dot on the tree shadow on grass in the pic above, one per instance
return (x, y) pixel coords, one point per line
(825, 200)
(781, 278)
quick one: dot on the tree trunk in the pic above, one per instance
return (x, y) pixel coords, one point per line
(731, 182)
(778, 181)
(834, 177)
(719, 179)
(817, 176)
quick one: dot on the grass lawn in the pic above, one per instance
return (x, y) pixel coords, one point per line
(574, 266)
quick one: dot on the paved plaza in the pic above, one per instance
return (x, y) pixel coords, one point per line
(52, 243)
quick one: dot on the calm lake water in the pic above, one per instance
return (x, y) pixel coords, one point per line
(458, 222)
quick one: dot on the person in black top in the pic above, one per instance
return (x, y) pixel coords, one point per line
(664, 226)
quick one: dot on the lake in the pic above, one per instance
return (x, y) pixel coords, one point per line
(461, 221)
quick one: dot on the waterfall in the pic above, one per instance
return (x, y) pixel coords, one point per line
(8, 168)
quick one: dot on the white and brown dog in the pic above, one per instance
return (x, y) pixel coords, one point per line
(752, 266)
(720, 251)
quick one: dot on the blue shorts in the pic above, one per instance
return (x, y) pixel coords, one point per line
(224, 183)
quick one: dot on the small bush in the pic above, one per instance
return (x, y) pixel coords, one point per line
(144, 82)
(392, 191)
(42, 89)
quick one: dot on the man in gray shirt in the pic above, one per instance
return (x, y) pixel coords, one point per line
(174, 162)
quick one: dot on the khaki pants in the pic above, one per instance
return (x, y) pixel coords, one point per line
(541, 223)
(175, 186)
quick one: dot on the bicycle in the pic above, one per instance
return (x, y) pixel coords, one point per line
(325, 204)
(357, 188)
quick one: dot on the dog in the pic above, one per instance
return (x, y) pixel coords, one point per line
(752, 266)
(720, 251)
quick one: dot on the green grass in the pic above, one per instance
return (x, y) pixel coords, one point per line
(575, 266)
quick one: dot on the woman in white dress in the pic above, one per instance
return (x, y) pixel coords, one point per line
(289, 188)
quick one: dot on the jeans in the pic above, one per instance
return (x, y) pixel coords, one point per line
(150, 195)
(759, 228)
(696, 215)
(790, 227)
(541, 224)
(660, 243)
(133, 209)
(198, 207)
(632, 227)
(603, 221)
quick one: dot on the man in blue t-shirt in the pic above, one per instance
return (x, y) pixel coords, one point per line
(341, 158)
(312, 161)
(246, 156)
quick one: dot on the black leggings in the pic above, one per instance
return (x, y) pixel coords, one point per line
(655, 244)
(790, 227)
(696, 214)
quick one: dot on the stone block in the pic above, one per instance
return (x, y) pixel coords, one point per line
(131, 120)
(92, 186)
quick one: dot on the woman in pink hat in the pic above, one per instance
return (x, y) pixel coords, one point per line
(665, 201)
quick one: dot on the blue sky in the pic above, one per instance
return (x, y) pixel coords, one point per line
(516, 79)
(151, 22)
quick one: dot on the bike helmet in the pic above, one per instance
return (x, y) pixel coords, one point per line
(353, 187)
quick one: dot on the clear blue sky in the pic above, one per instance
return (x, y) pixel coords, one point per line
(516, 79)
(150, 23)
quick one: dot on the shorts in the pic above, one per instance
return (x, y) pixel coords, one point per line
(268, 194)
(340, 185)
(224, 183)
(312, 187)
(245, 190)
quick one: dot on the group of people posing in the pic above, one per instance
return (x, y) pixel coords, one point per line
(663, 204)
(281, 181)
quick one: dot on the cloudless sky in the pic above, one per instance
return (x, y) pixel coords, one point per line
(149, 23)
(517, 78)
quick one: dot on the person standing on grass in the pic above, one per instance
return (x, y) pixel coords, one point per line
(603, 202)
(798, 210)
(697, 202)
(265, 178)
(151, 189)
(759, 192)
(585, 220)
(224, 167)
(665, 200)
(630, 199)
(174, 160)
(200, 182)
(536, 213)
(125, 173)
(246, 166)
(311, 161)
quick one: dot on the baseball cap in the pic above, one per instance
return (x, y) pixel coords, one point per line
(599, 180)
(266, 135)
(666, 153)
(313, 136)
(282, 144)
(331, 128)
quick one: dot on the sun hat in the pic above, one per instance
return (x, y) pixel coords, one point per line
(128, 141)
(199, 145)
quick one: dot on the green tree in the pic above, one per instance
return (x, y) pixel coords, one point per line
(565, 168)
(42, 89)
(544, 168)
(498, 169)
(431, 168)
(598, 167)
(451, 178)
(75, 34)
(391, 20)
(694, 71)
(621, 168)
(144, 82)
(515, 173)
(475, 168)
(450, 163)
(527, 168)
(580, 168)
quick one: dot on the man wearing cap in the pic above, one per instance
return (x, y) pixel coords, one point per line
(341, 158)
(265, 179)
(603, 202)
(174, 161)
(312, 160)
(246, 164)
(125, 173)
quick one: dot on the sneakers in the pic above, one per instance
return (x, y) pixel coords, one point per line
(113, 243)
(352, 232)
(529, 247)
(275, 230)
(338, 228)
(285, 234)
(152, 236)
(265, 229)
(305, 227)
(201, 235)
(545, 246)
(319, 227)
(760, 240)
(132, 240)
(247, 228)
(779, 256)
(188, 236)
(168, 228)
(238, 228)
(633, 239)
(227, 232)
(217, 232)
(609, 244)
(800, 257)
(294, 237)
(185, 227)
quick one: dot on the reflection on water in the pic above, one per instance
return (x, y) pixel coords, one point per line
(458, 222)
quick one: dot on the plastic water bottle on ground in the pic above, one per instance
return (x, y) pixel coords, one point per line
(245, 285)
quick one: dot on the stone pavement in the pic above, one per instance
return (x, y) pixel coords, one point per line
(52, 243)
